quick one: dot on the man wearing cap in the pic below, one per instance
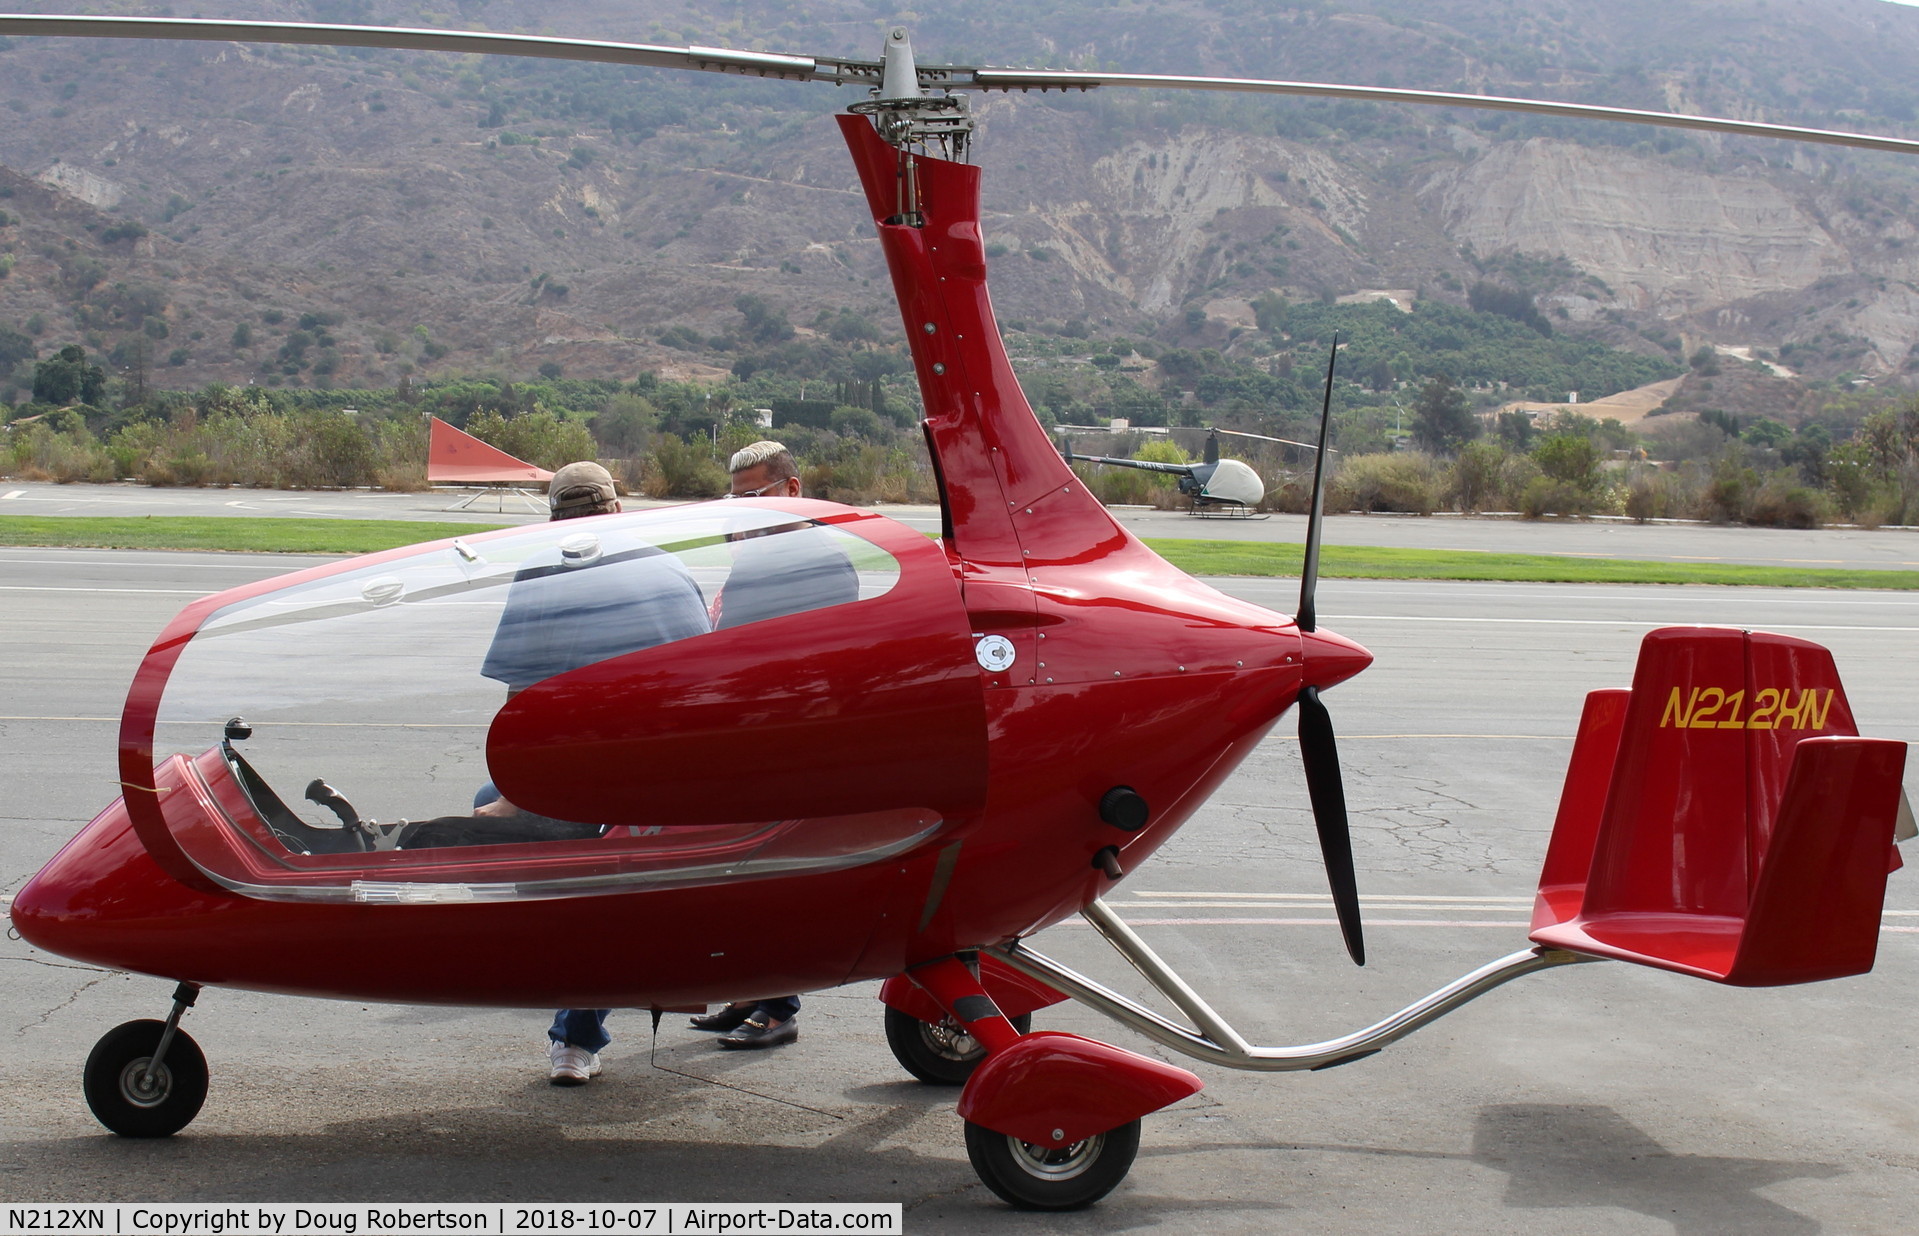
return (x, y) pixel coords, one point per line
(583, 488)
(579, 608)
(777, 571)
(584, 609)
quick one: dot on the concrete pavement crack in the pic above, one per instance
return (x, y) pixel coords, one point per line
(61, 965)
(72, 996)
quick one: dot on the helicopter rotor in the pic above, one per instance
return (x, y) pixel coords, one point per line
(887, 77)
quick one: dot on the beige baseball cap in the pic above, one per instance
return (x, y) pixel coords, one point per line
(580, 485)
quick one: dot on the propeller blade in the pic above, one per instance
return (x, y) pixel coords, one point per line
(1307, 618)
(1328, 794)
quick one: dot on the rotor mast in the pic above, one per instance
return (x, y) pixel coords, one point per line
(906, 115)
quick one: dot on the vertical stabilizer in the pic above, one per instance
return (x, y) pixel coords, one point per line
(1746, 830)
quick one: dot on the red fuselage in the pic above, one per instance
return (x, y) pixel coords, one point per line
(1124, 671)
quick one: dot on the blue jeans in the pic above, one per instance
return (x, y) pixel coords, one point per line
(587, 1027)
(581, 1028)
(578, 1027)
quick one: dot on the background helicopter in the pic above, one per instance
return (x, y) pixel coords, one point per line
(1214, 487)
(214, 881)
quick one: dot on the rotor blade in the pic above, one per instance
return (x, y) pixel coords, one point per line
(706, 59)
(1307, 618)
(841, 71)
(1144, 465)
(1323, 785)
(1046, 79)
(1263, 437)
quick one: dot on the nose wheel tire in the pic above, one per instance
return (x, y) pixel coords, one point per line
(938, 1053)
(1047, 1177)
(136, 1100)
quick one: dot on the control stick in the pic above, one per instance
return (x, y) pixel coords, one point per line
(326, 796)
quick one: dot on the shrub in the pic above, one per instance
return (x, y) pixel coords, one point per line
(1729, 492)
(684, 471)
(1782, 502)
(539, 437)
(1133, 487)
(1571, 458)
(1407, 482)
(1659, 495)
(1477, 477)
(1545, 496)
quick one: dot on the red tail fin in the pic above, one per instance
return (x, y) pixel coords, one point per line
(1745, 832)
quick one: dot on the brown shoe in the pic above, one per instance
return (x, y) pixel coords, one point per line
(757, 1032)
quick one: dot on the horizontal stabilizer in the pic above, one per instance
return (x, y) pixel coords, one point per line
(1723, 818)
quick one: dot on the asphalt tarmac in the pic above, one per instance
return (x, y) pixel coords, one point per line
(1600, 1098)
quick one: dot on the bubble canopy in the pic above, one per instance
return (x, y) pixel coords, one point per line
(720, 691)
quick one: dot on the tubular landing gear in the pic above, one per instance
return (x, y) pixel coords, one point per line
(1052, 1120)
(148, 1078)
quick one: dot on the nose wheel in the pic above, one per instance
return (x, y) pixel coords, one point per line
(135, 1095)
(148, 1078)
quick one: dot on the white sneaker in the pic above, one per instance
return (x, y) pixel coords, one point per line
(572, 1066)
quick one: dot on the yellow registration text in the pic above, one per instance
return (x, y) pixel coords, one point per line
(1773, 708)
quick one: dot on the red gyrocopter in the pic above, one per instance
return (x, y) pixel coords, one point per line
(958, 743)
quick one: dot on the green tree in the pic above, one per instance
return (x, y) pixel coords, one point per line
(764, 323)
(14, 348)
(1516, 429)
(1571, 458)
(539, 437)
(624, 425)
(851, 422)
(66, 377)
(1442, 417)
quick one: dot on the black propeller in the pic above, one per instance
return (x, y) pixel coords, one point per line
(1328, 793)
(1317, 746)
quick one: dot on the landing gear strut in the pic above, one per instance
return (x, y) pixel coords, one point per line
(939, 1054)
(148, 1078)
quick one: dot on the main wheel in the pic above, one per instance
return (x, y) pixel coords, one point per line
(132, 1100)
(1071, 1177)
(939, 1054)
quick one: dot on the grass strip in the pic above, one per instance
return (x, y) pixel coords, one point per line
(238, 534)
(232, 534)
(1375, 562)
